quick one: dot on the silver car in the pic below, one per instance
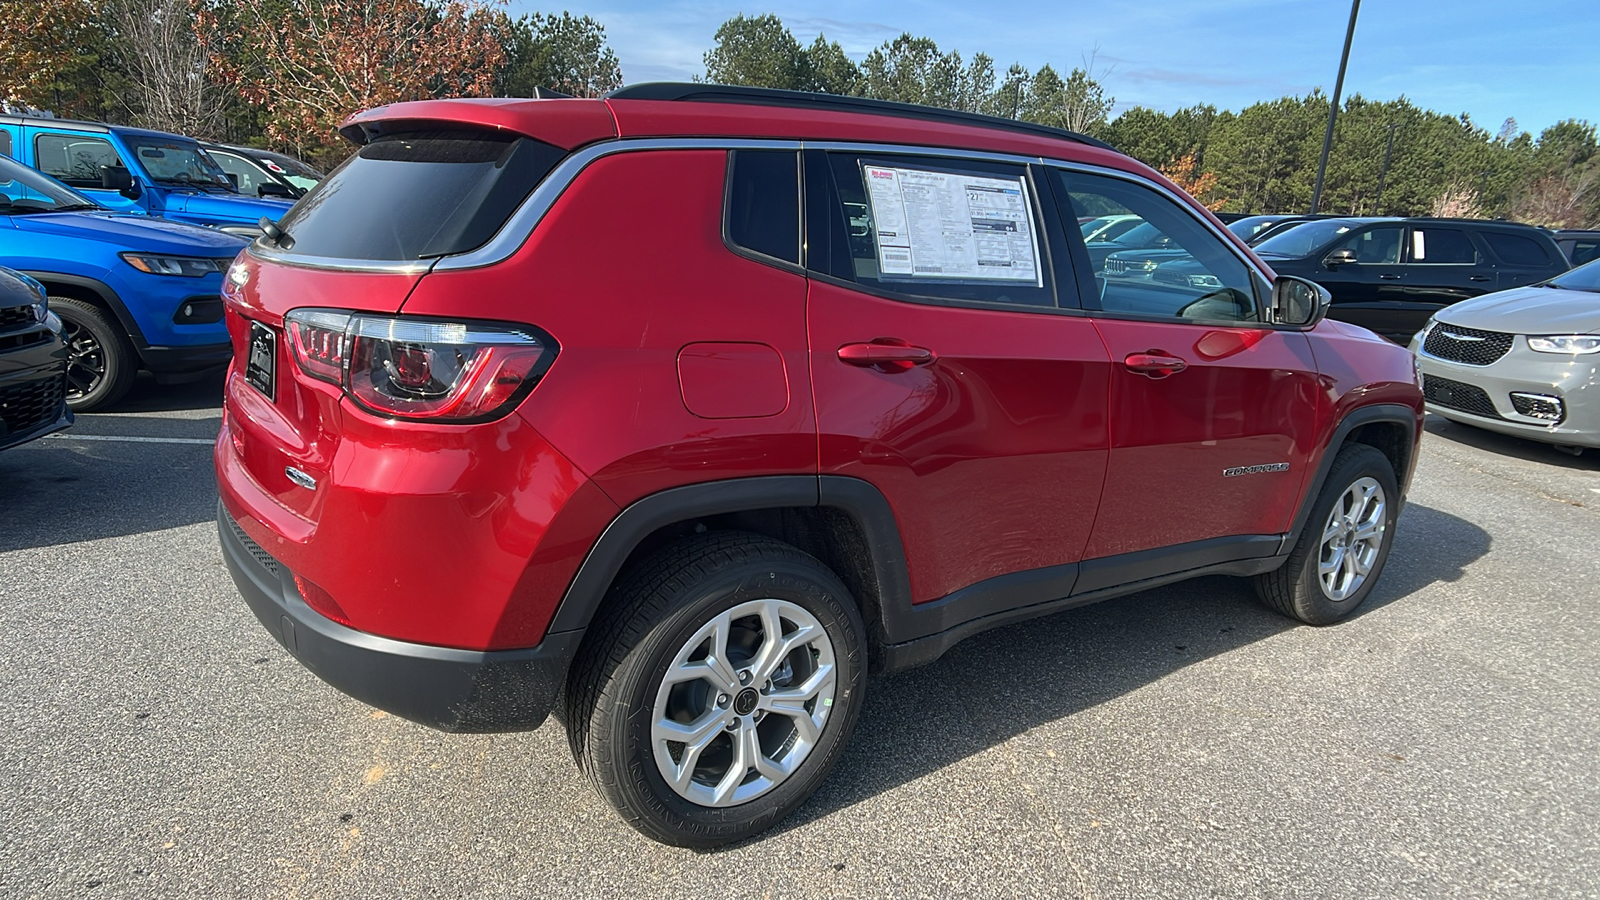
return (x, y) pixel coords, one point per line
(1524, 362)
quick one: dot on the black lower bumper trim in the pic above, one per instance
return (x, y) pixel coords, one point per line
(178, 360)
(445, 688)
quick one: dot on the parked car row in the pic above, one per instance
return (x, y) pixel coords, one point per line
(129, 232)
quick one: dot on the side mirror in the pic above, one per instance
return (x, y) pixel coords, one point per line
(119, 179)
(1341, 256)
(233, 180)
(1298, 302)
(273, 189)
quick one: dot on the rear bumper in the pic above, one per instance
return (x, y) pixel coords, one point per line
(444, 688)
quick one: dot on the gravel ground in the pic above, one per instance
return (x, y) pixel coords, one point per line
(1184, 742)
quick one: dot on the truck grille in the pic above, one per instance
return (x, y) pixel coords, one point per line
(1116, 266)
(25, 407)
(1469, 346)
(1456, 395)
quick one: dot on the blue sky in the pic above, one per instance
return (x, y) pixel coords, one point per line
(1536, 60)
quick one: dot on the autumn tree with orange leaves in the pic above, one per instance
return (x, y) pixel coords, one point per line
(1185, 173)
(309, 64)
(42, 39)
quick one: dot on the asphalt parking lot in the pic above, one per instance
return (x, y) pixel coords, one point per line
(1184, 742)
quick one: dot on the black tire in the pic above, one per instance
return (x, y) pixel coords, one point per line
(100, 361)
(654, 610)
(1297, 589)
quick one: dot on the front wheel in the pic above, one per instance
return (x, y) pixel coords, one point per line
(727, 681)
(100, 361)
(1345, 542)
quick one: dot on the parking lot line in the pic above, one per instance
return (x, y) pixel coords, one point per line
(129, 439)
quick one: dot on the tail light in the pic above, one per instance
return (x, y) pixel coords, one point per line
(420, 368)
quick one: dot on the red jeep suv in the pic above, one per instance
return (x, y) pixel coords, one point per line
(678, 412)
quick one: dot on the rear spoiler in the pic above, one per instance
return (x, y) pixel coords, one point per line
(553, 118)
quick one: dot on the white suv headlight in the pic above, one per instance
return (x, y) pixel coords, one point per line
(1565, 343)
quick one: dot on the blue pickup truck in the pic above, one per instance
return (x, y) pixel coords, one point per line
(132, 170)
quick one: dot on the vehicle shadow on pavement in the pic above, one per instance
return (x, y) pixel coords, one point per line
(149, 396)
(1003, 683)
(61, 491)
(1508, 445)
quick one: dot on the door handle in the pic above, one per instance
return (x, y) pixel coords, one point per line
(1480, 278)
(1154, 363)
(1388, 277)
(885, 355)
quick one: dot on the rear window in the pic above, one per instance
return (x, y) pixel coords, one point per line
(1516, 249)
(419, 195)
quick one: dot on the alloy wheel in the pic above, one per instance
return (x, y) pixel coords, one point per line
(86, 360)
(1352, 538)
(743, 703)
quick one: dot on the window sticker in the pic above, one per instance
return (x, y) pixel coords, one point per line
(1419, 246)
(939, 225)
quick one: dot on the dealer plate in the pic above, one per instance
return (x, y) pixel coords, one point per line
(260, 370)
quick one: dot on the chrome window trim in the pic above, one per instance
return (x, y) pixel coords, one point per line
(260, 249)
(525, 220)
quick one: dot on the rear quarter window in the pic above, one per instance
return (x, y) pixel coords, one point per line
(763, 214)
(419, 195)
(1517, 249)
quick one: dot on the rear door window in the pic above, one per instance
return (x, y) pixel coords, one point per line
(74, 159)
(929, 227)
(1446, 246)
(5, 142)
(419, 195)
(1517, 249)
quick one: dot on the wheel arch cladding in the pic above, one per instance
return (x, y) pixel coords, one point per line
(94, 292)
(843, 522)
(1390, 428)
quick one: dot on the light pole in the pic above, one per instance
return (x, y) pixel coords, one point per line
(1333, 109)
(1383, 174)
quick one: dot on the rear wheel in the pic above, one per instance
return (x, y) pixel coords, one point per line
(721, 689)
(1345, 542)
(100, 361)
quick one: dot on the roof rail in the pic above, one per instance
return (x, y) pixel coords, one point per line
(1481, 220)
(722, 93)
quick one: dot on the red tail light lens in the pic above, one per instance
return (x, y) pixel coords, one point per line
(317, 342)
(418, 368)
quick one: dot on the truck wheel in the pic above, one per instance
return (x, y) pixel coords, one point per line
(1344, 544)
(100, 361)
(719, 690)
